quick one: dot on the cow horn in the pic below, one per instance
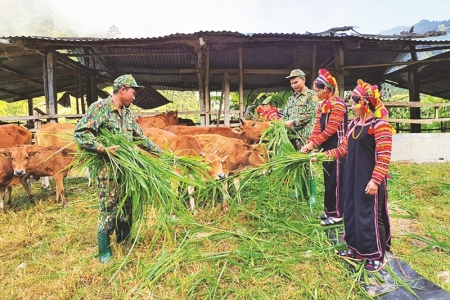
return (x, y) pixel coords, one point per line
(242, 120)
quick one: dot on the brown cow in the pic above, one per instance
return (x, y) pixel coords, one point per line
(11, 135)
(236, 154)
(39, 161)
(58, 135)
(249, 131)
(158, 121)
(253, 129)
(193, 130)
(186, 145)
(7, 180)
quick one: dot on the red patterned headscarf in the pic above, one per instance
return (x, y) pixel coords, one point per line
(364, 94)
(328, 80)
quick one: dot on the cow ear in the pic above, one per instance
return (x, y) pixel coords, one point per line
(242, 120)
(248, 147)
(33, 152)
(237, 130)
(5, 154)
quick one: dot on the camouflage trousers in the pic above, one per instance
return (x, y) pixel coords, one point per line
(109, 198)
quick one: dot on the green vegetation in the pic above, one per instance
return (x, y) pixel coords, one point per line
(271, 249)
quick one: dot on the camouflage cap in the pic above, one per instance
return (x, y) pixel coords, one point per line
(296, 73)
(125, 81)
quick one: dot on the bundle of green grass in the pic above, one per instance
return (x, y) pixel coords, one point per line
(151, 181)
(287, 169)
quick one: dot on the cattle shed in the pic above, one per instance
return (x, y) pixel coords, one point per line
(217, 61)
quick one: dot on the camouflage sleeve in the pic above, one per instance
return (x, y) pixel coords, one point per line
(87, 128)
(305, 113)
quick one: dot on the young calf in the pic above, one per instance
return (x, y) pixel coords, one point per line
(27, 160)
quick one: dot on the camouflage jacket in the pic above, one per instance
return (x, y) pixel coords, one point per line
(301, 108)
(103, 115)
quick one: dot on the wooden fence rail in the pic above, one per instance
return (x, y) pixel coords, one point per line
(40, 115)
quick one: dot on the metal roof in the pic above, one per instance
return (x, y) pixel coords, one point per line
(433, 76)
(171, 62)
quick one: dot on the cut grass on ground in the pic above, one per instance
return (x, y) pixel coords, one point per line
(275, 249)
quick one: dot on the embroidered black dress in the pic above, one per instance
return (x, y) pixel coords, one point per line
(367, 228)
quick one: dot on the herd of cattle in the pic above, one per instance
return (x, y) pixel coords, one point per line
(226, 150)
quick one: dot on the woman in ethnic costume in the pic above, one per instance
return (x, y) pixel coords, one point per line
(367, 147)
(328, 133)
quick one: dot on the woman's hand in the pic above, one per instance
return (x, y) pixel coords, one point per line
(371, 188)
(289, 123)
(307, 148)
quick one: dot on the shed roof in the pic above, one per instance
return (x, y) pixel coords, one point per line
(171, 62)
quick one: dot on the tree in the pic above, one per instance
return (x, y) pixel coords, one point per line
(113, 32)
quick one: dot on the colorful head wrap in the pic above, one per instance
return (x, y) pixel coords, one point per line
(328, 80)
(329, 83)
(365, 93)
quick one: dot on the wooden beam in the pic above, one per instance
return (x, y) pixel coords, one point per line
(406, 63)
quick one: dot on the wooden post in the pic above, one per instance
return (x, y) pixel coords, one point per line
(94, 90)
(87, 80)
(313, 65)
(414, 91)
(30, 110)
(49, 86)
(77, 103)
(339, 67)
(201, 90)
(241, 85)
(207, 92)
(226, 99)
(80, 82)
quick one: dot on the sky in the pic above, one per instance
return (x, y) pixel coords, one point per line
(154, 18)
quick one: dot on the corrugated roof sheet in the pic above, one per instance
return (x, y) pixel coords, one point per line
(171, 62)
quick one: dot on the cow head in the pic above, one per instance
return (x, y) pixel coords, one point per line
(20, 156)
(172, 117)
(215, 162)
(253, 129)
(258, 154)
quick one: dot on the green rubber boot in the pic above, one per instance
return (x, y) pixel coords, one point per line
(312, 191)
(104, 247)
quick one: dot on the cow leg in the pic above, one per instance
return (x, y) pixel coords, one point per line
(26, 186)
(8, 195)
(89, 178)
(59, 179)
(2, 195)
(191, 190)
(45, 183)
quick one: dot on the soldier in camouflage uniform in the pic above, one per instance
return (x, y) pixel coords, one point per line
(112, 114)
(299, 115)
